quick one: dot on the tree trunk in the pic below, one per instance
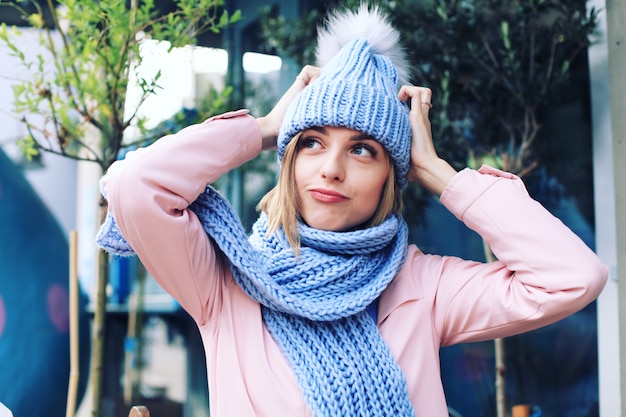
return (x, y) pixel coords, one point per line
(499, 353)
(99, 324)
(500, 378)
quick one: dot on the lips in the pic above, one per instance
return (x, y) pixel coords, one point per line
(327, 196)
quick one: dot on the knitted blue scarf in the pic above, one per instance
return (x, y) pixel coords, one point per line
(314, 305)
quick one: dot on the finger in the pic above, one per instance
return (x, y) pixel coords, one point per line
(419, 97)
(308, 74)
(275, 117)
(426, 96)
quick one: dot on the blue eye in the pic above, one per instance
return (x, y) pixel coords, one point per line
(307, 142)
(364, 150)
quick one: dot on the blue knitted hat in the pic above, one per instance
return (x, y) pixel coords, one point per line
(363, 67)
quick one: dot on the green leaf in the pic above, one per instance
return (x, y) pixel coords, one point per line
(28, 147)
(442, 12)
(36, 20)
(236, 16)
(223, 18)
(504, 34)
(445, 81)
(471, 161)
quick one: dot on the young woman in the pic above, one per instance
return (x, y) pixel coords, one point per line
(326, 310)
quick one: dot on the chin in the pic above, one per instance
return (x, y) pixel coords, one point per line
(327, 227)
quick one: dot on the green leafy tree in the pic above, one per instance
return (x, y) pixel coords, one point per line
(78, 109)
(495, 67)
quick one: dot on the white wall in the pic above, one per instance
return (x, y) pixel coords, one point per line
(56, 182)
(605, 216)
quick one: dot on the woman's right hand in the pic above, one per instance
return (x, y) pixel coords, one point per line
(427, 168)
(270, 124)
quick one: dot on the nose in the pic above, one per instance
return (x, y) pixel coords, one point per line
(333, 168)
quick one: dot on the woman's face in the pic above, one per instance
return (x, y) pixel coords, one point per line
(340, 174)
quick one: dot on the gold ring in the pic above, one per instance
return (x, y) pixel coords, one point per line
(428, 104)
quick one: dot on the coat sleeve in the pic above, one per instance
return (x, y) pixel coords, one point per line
(543, 272)
(149, 192)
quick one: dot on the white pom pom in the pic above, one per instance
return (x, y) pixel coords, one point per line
(367, 23)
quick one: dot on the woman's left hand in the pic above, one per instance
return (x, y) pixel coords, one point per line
(427, 168)
(270, 124)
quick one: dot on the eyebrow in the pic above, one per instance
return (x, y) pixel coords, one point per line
(362, 136)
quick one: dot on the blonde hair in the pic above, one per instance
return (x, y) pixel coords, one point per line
(280, 204)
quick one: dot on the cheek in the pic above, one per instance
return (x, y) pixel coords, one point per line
(302, 170)
(376, 188)
(375, 181)
(296, 179)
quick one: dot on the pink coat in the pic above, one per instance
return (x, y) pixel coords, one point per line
(544, 271)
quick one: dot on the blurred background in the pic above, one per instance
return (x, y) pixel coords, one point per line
(520, 85)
